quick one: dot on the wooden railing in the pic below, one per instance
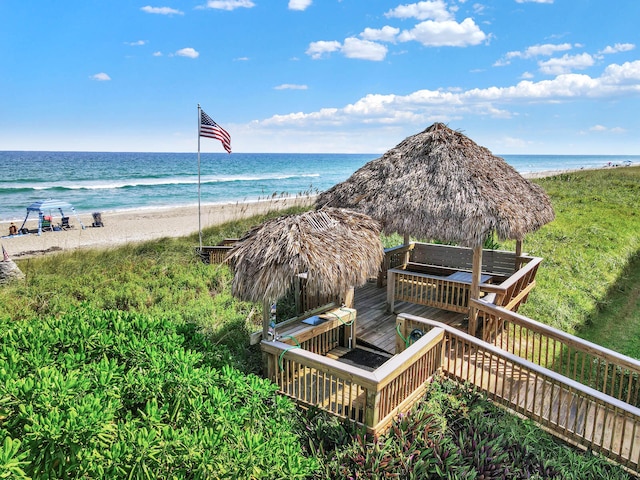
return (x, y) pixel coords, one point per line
(371, 399)
(578, 413)
(452, 295)
(557, 397)
(394, 257)
(602, 369)
(216, 253)
(454, 259)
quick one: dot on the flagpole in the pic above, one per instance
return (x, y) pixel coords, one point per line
(199, 221)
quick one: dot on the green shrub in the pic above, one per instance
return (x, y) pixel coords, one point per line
(113, 394)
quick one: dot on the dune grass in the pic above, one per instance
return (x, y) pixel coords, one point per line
(589, 253)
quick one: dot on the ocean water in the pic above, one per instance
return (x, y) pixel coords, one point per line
(101, 181)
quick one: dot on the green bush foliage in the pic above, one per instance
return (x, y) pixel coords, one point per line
(114, 394)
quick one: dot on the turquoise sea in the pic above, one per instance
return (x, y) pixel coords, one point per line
(102, 181)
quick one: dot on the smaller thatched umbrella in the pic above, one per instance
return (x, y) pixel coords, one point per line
(9, 271)
(336, 248)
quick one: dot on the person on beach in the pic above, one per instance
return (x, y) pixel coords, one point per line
(13, 230)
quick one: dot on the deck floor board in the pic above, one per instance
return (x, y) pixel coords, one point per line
(377, 327)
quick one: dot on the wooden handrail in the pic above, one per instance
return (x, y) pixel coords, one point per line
(382, 403)
(590, 364)
(548, 331)
(525, 363)
(567, 408)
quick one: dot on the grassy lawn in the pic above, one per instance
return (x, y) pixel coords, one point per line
(617, 324)
(590, 256)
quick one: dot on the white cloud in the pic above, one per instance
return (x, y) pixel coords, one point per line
(100, 77)
(242, 59)
(299, 4)
(566, 64)
(188, 52)
(448, 33)
(137, 43)
(363, 49)
(318, 49)
(431, 10)
(290, 86)
(544, 50)
(157, 54)
(618, 47)
(229, 4)
(384, 34)
(603, 129)
(420, 106)
(526, 75)
(161, 10)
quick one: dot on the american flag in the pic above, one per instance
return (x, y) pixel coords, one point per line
(209, 128)
(5, 255)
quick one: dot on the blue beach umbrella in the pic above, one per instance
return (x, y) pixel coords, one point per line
(44, 207)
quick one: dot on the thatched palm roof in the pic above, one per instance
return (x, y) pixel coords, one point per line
(337, 248)
(9, 272)
(439, 184)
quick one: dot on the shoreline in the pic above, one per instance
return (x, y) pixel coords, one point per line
(136, 225)
(141, 224)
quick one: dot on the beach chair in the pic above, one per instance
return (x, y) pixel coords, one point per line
(97, 219)
(46, 223)
(64, 224)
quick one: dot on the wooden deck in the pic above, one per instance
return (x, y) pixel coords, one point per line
(376, 327)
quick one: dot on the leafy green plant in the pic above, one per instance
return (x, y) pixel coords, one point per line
(114, 394)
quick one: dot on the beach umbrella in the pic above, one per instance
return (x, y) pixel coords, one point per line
(334, 248)
(439, 184)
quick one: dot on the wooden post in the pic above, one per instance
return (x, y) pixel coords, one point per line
(347, 297)
(518, 254)
(266, 311)
(372, 416)
(390, 290)
(476, 274)
(400, 326)
(407, 254)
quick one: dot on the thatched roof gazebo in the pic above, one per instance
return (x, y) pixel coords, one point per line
(335, 249)
(439, 184)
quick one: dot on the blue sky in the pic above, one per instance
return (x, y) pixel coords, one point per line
(517, 76)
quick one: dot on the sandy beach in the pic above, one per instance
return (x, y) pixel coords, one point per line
(133, 226)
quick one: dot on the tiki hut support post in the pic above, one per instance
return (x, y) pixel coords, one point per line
(518, 254)
(266, 310)
(407, 240)
(476, 273)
